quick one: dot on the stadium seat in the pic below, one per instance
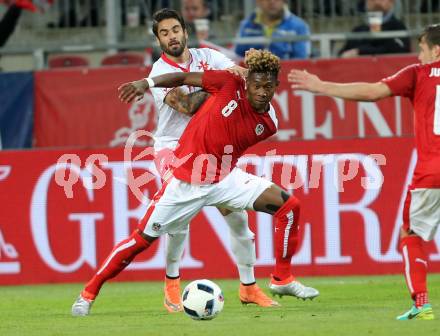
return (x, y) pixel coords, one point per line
(67, 61)
(123, 59)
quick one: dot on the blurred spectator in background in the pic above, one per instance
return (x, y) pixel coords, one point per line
(272, 19)
(380, 17)
(194, 9)
(196, 14)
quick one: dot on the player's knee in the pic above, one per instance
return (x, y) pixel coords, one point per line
(179, 235)
(142, 238)
(224, 212)
(292, 203)
(175, 246)
(296, 203)
(243, 249)
(236, 218)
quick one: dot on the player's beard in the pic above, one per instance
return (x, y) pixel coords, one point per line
(175, 50)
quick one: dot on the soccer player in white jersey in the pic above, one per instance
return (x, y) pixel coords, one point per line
(175, 108)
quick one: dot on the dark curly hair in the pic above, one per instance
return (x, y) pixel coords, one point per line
(166, 13)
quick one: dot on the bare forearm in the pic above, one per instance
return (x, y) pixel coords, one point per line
(176, 79)
(354, 91)
(134, 90)
(303, 80)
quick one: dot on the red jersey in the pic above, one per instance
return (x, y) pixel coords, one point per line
(421, 84)
(223, 128)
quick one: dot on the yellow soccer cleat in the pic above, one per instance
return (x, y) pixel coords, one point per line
(423, 313)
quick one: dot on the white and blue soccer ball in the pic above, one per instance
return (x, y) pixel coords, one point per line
(202, 300)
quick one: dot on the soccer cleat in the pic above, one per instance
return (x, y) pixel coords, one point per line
(423, 313)
(81, 307)
(253, 294)
(292, 287)
(172, 301)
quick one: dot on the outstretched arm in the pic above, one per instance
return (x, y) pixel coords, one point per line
(362, 91)
(129, 91)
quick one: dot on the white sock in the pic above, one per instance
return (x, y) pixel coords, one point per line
(243, 245)
(175, 247)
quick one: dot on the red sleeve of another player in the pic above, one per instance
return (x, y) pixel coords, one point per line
(214, 80)
(402, 83)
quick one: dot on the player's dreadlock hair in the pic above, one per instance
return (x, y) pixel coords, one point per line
(262, 61)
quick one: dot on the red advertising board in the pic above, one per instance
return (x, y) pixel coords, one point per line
(81, 108)
(350, 217)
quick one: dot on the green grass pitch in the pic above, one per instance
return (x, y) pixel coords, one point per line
(347, 306)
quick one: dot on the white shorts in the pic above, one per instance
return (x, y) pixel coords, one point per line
(178, 202)
(422, 212)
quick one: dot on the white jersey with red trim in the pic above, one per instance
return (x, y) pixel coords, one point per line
(170, 123)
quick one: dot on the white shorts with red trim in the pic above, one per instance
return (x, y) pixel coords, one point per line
(421, 212)
(178, 202)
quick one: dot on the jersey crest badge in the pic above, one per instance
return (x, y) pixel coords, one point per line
(156, 227)
(259, 129)
(203, 65)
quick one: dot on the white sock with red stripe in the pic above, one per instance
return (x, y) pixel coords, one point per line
(120, 257)
(286, 237)
(416, 268)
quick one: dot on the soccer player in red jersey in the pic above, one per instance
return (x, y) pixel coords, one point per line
(174, 108)
(421, 214)
(236, 116)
